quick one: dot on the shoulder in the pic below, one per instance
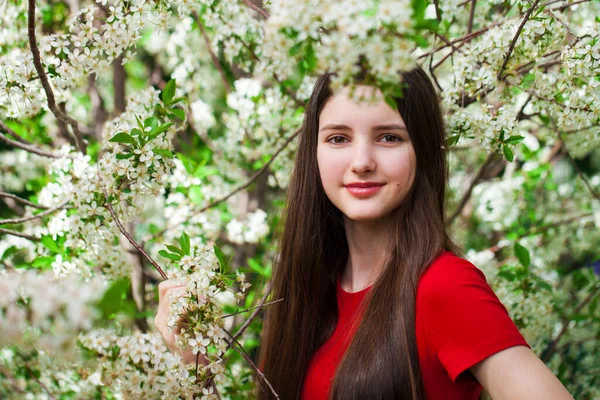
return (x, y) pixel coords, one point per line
(449, 273)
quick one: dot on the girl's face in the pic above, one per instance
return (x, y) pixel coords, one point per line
(364, 143)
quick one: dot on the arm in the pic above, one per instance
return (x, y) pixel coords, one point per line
(165, 289)
(517, 373)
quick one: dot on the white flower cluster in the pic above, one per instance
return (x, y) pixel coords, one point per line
(19, 167)
(196, 314)
(252, 229)
(260, 121)
(143, 170)
(497, 202)
(37, 309)
(91, 45)
(140, 366)
(335, 35)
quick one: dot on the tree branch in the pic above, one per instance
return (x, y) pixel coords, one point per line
(463, 202)
(213, 57)
(254, 176)
(238, 347)
(256, 8)
(131, 240)
(19, 234)
(26, 147)
(514, 41)
(471, 16)
(119, 77)
(36, 216)
(37, 62)
(22, 200)
(549, 350)
(579, 172)
(251, 308)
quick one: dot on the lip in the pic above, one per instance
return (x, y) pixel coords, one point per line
(364, 189)
(364, 184)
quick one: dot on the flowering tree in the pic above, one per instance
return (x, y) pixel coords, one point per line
(147, 139)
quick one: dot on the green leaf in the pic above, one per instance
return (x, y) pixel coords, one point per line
(158, 130)
(516, 139)
(42, 262)
(203, 171)
(507, 274)
(136, 132)
(51, 245)
(170, 256)
(419, 7)
(222, 259)
(452, 140)
(523, 255)
(195, 195)
(391, 102)
(508, 153)
(113, 298)
(163, 152)
(177, 112)
(310, 58)
(122, 137)
(175, 249)
(184, 242)
(168, 92)
(124, 156)
(295, 49)
(259, 269)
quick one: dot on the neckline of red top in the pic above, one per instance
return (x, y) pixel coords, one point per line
(361, 292)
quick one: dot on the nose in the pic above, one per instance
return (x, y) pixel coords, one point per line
(363, 159)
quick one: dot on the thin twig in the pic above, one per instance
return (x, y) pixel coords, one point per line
(474, 182)
(14, 134)
(254, 176)
(256, 8)
(514, 41)
(213, 57)
(471, 16)
(254, 313)
(580, 173)
(27, 147)
(19, 234)
(36, 216)
(563, 7)
(131, 240)
(251, 308)
(37, 62)
(235, 344)
(549, 350)
(23, 201)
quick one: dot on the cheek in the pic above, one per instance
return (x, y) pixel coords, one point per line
(331, 167)
(402, 171)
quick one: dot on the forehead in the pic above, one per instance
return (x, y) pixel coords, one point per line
(363, 108)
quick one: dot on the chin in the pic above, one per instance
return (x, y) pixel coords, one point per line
(363, 216)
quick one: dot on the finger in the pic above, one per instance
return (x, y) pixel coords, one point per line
(166, 285)
(164, 306)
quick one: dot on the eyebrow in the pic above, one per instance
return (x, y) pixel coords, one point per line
(376, 128)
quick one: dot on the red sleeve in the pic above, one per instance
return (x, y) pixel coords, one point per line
(465, 322)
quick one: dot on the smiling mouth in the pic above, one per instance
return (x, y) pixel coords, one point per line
(363, 191)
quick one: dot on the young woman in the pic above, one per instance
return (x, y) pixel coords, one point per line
(377, 303)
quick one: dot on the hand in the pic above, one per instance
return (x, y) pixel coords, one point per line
(166, 290)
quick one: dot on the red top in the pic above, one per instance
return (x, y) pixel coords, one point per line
(459, 322)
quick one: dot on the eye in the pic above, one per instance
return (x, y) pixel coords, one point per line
(392, 138)
(336, 139)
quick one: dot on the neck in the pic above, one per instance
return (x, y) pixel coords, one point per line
(366, 253)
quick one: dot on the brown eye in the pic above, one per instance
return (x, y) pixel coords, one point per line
(391, 138)
(336, 139)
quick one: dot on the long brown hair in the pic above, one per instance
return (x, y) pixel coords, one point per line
(382, 360)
